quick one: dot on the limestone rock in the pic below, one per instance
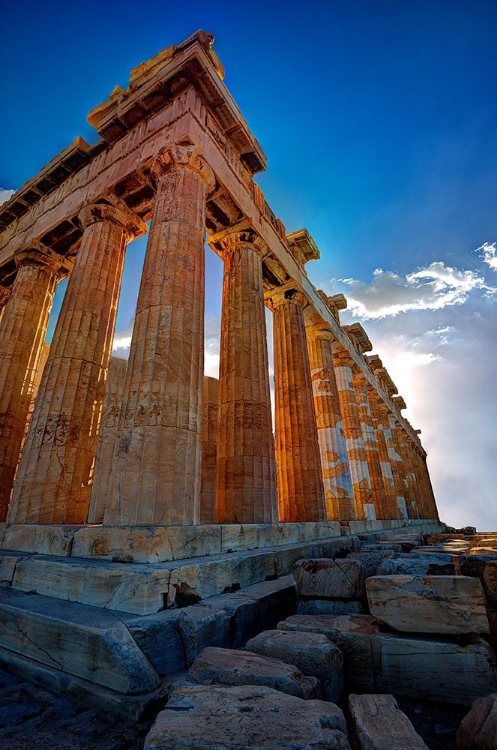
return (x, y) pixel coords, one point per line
(478, 730)
(329, 607)
(252, 718)
(428, 668)
(331, 627)
(312, 653)
(381, 725)
(431, 604)
(219, 666)
(330, 579)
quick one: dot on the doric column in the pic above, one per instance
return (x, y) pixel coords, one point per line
(401, 447)
(334, 459)
(300, 482)
(385, 462)
(245, 471)
(378, 494)
(389, 427)
(358, 464)
(419, 488)
(4, 296)
(22, 332)
(432, 509)
(109, 427)
(53, 483)
(209, 450)
(158, 452)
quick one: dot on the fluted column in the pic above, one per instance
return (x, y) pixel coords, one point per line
(418, 484)
(109, 426)
(4, 296)
(432, 509)
(209, 450)
(334, 459)
(245, 470)
(399, 439)
(378, 494)
(358, 464)
(300, 482)
(158, 453)
(385, 462)
(22, 332)
(55, 473)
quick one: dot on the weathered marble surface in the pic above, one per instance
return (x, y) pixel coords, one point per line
(429, 566)
(331, 627)
(312, 653)
(330, 579)
(381, 725)
(230, 667)
(430, 668)
(330, 607)
(82, 641)
(428, 604)
(478, 730)
(252, 718)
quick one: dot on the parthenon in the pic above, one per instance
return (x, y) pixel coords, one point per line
(150, 461)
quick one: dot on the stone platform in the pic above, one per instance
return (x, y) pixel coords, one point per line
(72, 622)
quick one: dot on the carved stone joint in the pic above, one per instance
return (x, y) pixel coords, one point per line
(122, 217)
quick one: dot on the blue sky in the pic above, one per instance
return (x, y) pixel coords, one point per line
(379, 123)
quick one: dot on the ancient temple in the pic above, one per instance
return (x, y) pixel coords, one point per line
(151, 462)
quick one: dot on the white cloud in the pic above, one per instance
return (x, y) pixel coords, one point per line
(5, 195)
(430, 288)
(488, 252)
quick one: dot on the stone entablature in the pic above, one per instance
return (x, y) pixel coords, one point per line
(176, 149)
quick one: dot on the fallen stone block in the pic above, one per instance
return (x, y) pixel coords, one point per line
(330, 579)
(219, 666)
(312, 653)
(429, 668)
(248, 717)
(427, 566)
(331, 627)
(478, 730)
(370, 560)
(381, 725)
(428, 604)
(329, 607)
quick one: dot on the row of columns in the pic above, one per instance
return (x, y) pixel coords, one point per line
(337, 454)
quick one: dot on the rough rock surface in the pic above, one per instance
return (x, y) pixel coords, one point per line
(329, 607)
(331, 627)
(233, 668)
(371, 560)
(429, 604)
(478, 730)
(330, 579)
(312, 653)
(252, 718)
(381, 725)
(416, 567)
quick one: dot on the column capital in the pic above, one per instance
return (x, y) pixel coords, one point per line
(41, 255)
(182, 154)
(4, 295)
(320, 331)
(242, 238)
(279, 297)
(94, 213)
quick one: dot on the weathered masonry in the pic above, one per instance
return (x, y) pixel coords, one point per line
(124, 486)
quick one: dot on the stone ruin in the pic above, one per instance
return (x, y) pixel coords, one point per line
(149, 516)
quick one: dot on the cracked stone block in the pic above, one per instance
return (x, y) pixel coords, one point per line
(419, 667)
(478, 730)
(248, 717)
(312, 653)
(381, 725)
(331, 627)
(219, 666)
(329, 607)
(428, 604)
(83, 641)
(429, 566)
(330, 579)
(371, 560)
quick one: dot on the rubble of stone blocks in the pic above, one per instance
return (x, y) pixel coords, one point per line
(403, 616)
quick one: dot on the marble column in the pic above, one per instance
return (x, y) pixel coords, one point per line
(4, 296)
(391, 510)
(109, 427)
(334, 459)
(388, 423)
(54, 479)
(209, 450)
(22, 332)
(245, 471)
(400, 441)
(419, 489)
(432, 509)
(158, 452)
(378, 494)
(358, 464)
(300, 481)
